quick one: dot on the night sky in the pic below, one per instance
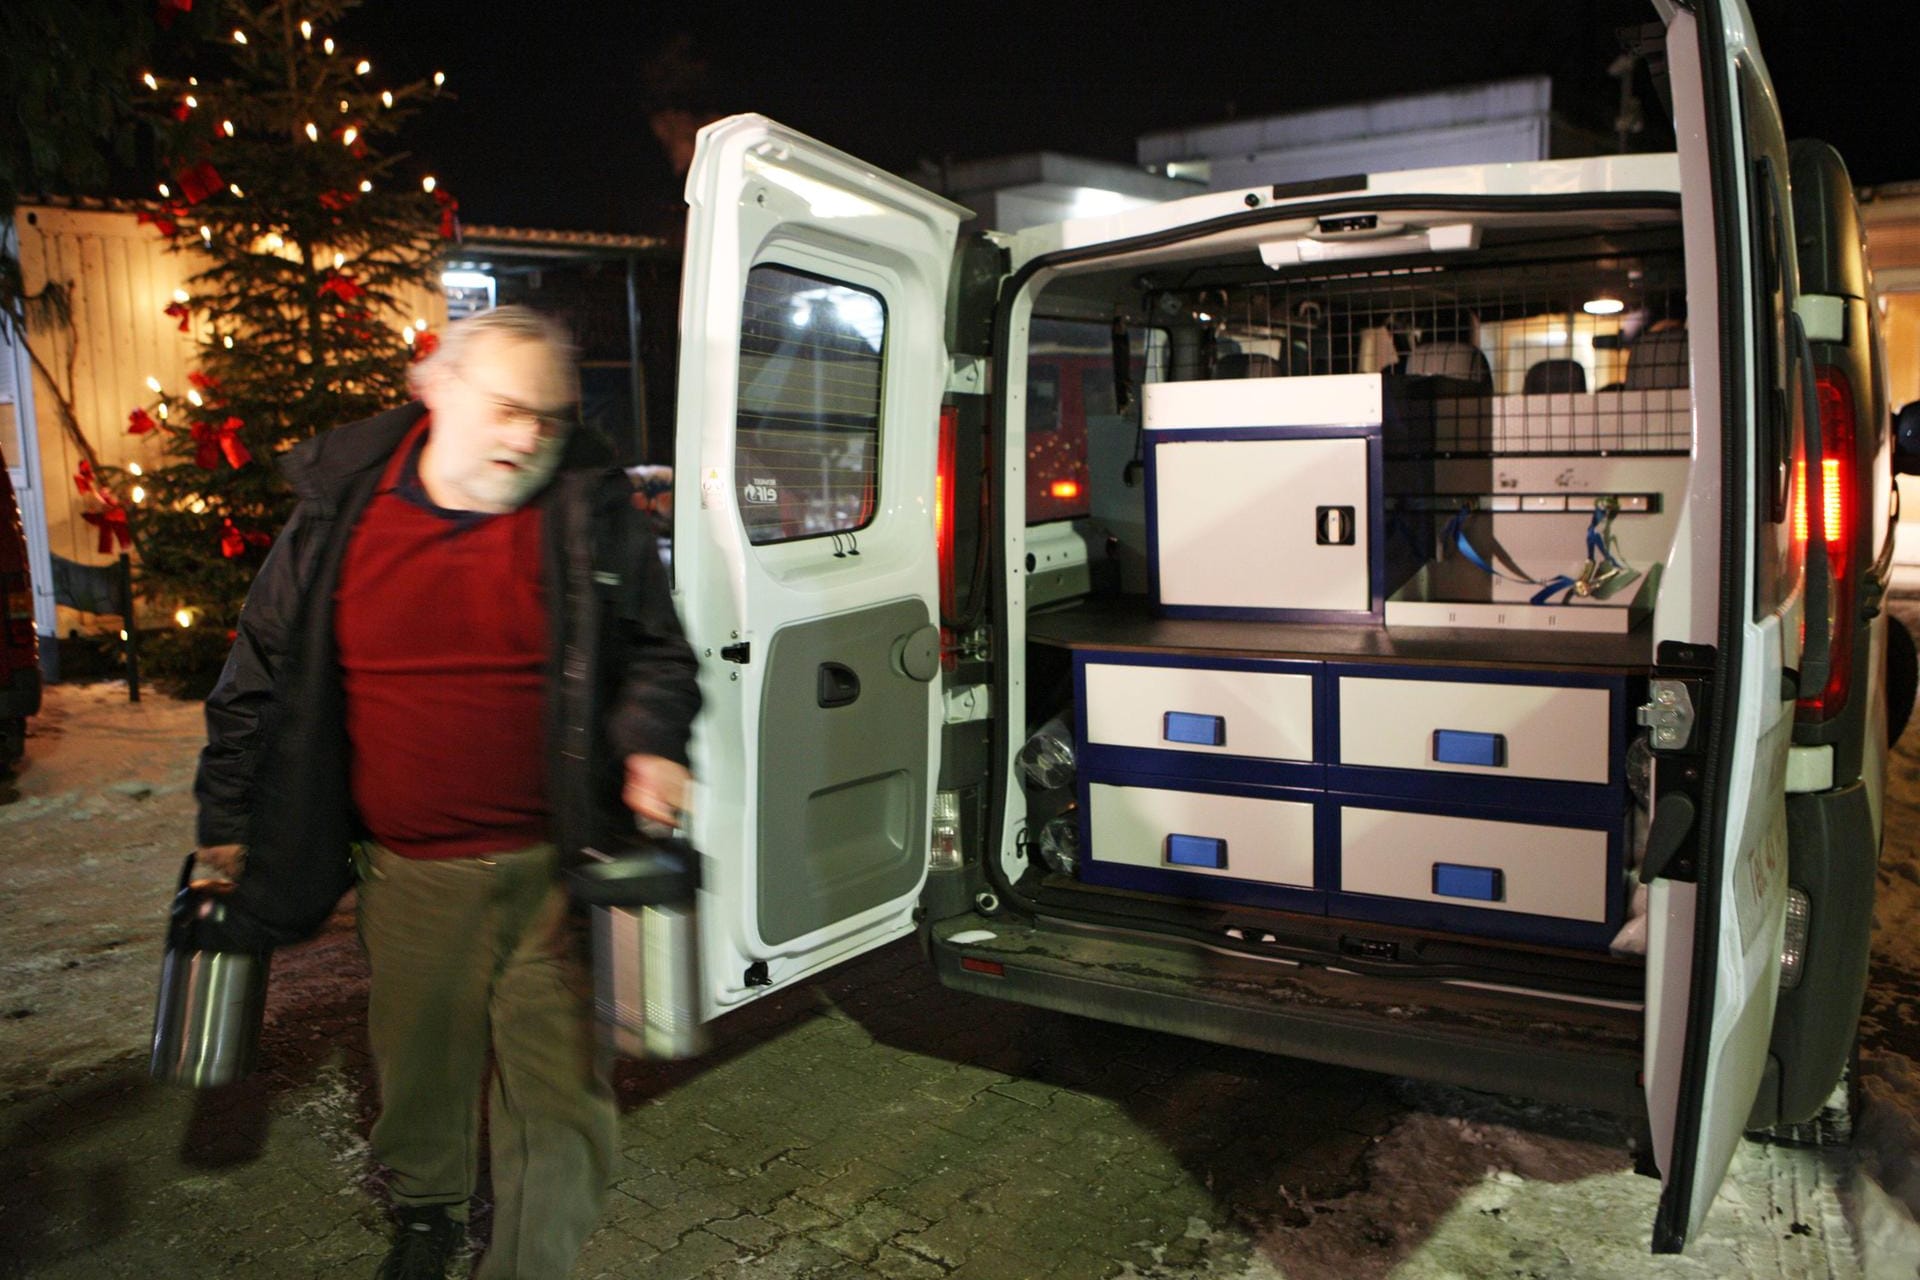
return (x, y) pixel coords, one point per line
(551, 129)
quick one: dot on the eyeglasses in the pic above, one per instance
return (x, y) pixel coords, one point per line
(513, 414)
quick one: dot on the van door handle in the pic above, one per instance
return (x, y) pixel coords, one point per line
(836, 685)
(1673, 816)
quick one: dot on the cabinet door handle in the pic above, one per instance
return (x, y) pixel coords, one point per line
(1197, 851)
(1482, 884)
(1461, 746)
(1195, 730)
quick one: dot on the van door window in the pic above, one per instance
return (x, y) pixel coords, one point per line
(806, 458)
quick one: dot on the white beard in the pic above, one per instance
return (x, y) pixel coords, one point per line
(495, 489)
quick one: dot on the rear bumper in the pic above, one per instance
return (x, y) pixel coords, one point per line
(1427, 1030)
(20, 694)
(1833, 855)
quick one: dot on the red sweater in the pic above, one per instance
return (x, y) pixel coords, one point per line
(442, 631)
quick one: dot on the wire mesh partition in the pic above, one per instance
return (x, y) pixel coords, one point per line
(1584, 355)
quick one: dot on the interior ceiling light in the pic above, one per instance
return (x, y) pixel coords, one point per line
(1603, 307)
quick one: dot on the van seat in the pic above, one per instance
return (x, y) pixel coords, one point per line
(1555, 375)
(1461, 360)
(1657, 360)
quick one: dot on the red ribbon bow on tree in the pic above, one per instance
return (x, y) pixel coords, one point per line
(83, 477)
(341, 285)
(211, 441)
(449, 213)
(181, 312)
(111, 520)
(163, 222)
(204, 381)
(165, 11)
(234, 541)
(139, 422)
(198, 181)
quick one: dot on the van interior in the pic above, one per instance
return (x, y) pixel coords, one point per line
(1455, 835)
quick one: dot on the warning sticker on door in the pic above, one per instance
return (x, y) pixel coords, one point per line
(711, 489)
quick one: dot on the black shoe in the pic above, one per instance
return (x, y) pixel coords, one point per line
(424, 1238)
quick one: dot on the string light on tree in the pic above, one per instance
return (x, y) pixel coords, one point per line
(347, 138)
(428, 183)
(362, 67)
(150, 82)
(313, 132)
(439, 78)
(386, 98)
(226, 127)
(306, 29)
(239, 36)
(327, 44)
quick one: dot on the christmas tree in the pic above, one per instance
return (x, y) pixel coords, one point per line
(312, 237)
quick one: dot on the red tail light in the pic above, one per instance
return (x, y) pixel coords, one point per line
(943, 506)
(1840, 502)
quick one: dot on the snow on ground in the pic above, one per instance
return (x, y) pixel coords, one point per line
(93, 830)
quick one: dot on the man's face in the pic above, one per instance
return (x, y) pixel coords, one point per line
(497, 433)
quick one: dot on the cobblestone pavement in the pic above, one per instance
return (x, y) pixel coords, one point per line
(875, 1124)
(872, 1123)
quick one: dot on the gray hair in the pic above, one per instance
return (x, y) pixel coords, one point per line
(511, 323)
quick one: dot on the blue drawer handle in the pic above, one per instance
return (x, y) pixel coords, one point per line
(1197, 851)
(1459, 746)
(1482, 884)
(1195, 730)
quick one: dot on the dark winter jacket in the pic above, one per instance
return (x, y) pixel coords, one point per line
(274, 774)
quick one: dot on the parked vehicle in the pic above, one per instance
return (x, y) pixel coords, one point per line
(1469, 650)
(19, 645)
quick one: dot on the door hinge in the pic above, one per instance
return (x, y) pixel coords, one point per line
(741, 653)
(1669, 713)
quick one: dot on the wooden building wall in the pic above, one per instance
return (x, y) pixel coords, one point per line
(121, 276)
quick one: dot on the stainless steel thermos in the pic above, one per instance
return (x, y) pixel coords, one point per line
(206, 1022)
(646, 946)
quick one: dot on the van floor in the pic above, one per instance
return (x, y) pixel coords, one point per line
(1535, 1005)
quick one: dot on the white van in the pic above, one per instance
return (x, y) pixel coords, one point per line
(1444, 607)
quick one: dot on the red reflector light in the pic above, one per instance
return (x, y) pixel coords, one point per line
(1064, 489)
(992, 968)
(1839, 499)
(943, 513)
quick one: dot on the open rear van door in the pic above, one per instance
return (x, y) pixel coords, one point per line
(1729, 667)
(812, 363)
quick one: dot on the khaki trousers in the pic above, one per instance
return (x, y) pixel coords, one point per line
(467, 955)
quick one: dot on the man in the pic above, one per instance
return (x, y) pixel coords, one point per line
(459, 659)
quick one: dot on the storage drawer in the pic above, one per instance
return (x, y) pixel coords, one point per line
(1555, 732)
(1238, 837)
(1264, 714)
(1525, 867)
